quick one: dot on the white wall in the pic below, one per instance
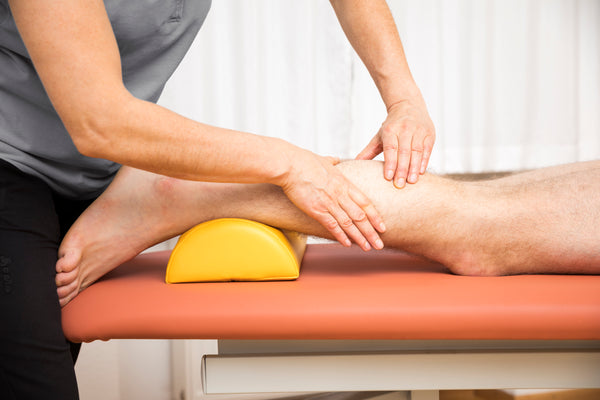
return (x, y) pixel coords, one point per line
(509, 83)
(125, 370)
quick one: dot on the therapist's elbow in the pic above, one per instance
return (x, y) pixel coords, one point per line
(89, 137)
(96, 129)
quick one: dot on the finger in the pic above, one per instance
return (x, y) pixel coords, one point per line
(365, 204)
(390, 156)
(415, 166)
(427, 148)
(362, 223)
(330, 222)
(65, 278)
(404, 154)
(348, 225)
(416, 158)
(371, 150)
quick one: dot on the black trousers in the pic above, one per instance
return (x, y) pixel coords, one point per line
(36, 361)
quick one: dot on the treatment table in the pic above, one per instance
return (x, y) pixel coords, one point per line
(356, 321)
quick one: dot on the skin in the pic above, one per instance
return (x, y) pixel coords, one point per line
(73, 48)
(407, 135)
(544, 221)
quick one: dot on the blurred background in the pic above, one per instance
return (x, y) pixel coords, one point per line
(510, 85)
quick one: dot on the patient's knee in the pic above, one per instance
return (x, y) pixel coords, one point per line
(354, 169)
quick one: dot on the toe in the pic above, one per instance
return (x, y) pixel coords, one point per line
(66, 278)
(68, 261)
(66, 293)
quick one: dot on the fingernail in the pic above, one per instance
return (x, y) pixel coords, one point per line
(347, 243)
(379, 244)
(413, 178)
(366, 246)
(389, 174)
(399, 183)
(382, 227)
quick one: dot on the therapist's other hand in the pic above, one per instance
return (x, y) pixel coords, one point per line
(316, 187)
(406, 139)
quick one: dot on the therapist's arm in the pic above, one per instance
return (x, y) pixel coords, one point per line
(407, 135)
(75, 53)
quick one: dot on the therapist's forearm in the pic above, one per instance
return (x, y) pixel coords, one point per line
(370, 28)
(150, 137)
(76, 55)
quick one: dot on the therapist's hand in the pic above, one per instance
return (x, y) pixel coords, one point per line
(406, 139)
(316, 187)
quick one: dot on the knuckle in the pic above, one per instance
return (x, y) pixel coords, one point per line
(331, 225)
(389, 129)
(361, 216)
(346, 223)
(391, 145)
(406, 123)
(404, 151)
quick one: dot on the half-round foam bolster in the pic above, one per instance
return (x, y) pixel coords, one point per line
(233, 249)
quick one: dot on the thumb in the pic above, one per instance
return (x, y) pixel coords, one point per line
(371, 150)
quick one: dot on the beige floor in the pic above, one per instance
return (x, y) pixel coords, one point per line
(582, 394)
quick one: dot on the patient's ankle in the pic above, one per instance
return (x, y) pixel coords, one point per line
(465, 240)
(475, 263)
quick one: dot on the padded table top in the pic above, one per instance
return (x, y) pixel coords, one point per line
(341, 294)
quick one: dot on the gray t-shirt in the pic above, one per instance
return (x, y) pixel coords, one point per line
(153, 36)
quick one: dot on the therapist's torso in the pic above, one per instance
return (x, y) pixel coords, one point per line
(152, 35)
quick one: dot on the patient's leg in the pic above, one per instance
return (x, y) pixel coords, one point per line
(526, 177)
(140, 209)
(540, 222)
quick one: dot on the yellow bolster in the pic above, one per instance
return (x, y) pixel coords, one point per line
(234, 249)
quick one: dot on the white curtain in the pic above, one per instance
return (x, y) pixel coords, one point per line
(510, 84)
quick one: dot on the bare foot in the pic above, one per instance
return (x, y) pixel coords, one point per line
(121, 223)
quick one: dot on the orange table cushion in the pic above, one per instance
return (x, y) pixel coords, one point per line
(341, 294)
